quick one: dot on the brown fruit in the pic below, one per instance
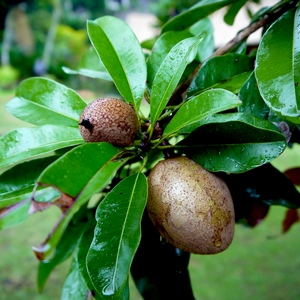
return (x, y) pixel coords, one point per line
(109, 120)
(191, 207)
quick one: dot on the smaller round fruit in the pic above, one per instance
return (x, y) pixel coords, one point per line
(109, 120)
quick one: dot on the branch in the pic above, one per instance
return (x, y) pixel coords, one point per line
(242, 35)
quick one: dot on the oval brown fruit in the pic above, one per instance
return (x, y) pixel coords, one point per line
(191, 207)
(109, 120)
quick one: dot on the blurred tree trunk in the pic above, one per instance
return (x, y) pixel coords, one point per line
(17, 30)
(8, 37)
(50, 41)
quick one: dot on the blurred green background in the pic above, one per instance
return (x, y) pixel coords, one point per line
(262, 263)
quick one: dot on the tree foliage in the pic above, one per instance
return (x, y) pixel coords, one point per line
(231, 111)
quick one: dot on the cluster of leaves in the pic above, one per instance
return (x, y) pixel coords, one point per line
(239, 112)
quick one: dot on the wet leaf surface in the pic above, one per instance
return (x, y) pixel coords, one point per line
(199, 107)
(277, 69)
(117, 236)
(229, 70)
(233, 143)
(41, 101)
(26, 143)
(169, 73)
(122, 56)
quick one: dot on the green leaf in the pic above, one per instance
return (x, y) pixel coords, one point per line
(233, 10)
(25, 143)
(204, 28)
(235, 83)
(21, 178)
(117, 235)
(278, 66)
(160, 50)
(233, 143)
(63, 174)
(41, 101)
(253, 103)
(194, 14)
(14, 215)
(169, 74)
(122, 56)
(90, 66)
(193, 111)
(74, 287)
(216, 70)
(78, 167)
(148, 44)
(63, 251)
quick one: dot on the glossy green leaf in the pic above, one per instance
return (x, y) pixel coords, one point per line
(233, 10)
(278, 66)
(194, 14)
(117, 235)
(25, 143)
(217, 70)
(204, 28)
(74, 287)
(169, 74)
(14, 215)
(193, 111)
(161, 48)
(63, 174)
(122, 56)
(78, 167)
(253, 103)
(233, 143)
(148, 44)
(235, 83)
(63, 251)
(41, 101)
(90, 66)
(21, 178)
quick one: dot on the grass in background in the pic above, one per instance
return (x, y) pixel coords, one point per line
(260, 264)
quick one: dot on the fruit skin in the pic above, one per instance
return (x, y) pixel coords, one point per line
(191, 207)
(109, 120)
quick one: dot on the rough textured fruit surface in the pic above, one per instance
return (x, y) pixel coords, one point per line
(109, 120)
(191, 207)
